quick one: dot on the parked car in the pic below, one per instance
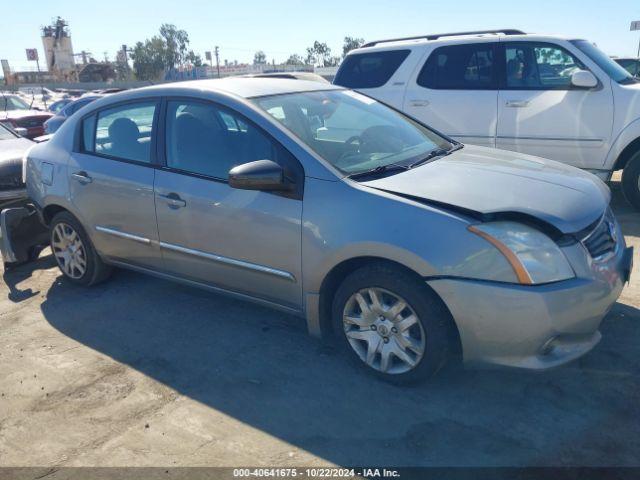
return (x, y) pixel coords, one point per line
(559, 98)
(58, 105)
(18, 114)
(52, 125)
(13, 148)
(322, 202)
(631, 65)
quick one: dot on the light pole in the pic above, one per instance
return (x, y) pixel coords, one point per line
(217, 53)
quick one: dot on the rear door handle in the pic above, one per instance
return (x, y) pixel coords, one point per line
(419, 103)
(82, 177)
(517, 103)
(174, 200)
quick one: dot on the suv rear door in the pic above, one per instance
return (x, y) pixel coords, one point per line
(541, 113)
(456, 91)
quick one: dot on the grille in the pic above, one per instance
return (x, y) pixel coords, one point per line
(602, 240)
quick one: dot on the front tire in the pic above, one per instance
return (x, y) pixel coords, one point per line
(391, 323)
(631, 181)
(74, 253)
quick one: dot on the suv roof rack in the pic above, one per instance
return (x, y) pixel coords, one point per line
(504, 31)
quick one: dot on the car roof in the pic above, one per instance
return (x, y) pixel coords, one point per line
(247, 87)
(445, 39)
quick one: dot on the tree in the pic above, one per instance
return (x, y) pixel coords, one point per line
(319, 54)
(176, 42)
(295, 59)
(161, 52)
(259, 58)
(193, 58)
(351, 43)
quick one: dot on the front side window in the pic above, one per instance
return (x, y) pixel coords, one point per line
(122, 132)
(205, 139)
(460, 67)
(351, 131)
(539, 66)
(369, 70)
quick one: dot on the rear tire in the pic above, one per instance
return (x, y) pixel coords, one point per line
(371, 324)
(74, 253)
(631, 181)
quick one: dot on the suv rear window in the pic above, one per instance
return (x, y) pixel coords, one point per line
(460, 67)
(369, 70)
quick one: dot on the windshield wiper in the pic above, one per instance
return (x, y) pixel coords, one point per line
(380, 170)
(438, 152)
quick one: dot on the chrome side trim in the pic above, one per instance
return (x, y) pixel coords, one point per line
(229, 261)
(118, 233)
(205, 286)
(554, 139)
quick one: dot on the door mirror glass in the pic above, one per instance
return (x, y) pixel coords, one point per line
(21, 131)
(264, 175)
(584, 79)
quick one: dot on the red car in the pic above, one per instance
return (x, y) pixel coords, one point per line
(16, 113)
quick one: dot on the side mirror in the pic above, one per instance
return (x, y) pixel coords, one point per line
(584, 79)
(263, 175)
(21, 131)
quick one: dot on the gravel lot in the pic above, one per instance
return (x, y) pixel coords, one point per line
(140, 371)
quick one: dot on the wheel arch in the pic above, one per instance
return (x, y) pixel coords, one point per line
(334, 277)
(626, 154)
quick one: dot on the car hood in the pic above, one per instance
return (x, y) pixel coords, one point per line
(13, 149)
(486, 181)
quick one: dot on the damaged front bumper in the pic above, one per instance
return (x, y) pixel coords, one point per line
(22, 234)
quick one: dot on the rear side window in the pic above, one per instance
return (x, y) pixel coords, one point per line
(122, 132)
(460, 67)
(369, 70)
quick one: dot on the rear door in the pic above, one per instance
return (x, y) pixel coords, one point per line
(541, 113)
(111, 181)
(456, 91)
(240, 240)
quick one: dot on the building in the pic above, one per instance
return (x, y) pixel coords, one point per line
(58, 51)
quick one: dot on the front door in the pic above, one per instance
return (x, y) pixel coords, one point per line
(456, 92)
(111, 182)
(541, 113)
(240, 240)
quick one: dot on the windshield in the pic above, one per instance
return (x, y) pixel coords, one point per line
(5, 134)
(351, 131)
(615, 71)
(9, 102)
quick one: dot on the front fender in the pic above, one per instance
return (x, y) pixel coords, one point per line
(630, 133)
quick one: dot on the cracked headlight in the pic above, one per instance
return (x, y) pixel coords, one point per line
(534, 257)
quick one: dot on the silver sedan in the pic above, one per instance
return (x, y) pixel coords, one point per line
(405, 245)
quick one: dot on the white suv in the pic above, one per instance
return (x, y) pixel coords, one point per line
(554, 97)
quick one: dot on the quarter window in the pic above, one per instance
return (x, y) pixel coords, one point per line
(539, 66)
(369, 70)
(207, 140)
(460, 67)
(122, 132)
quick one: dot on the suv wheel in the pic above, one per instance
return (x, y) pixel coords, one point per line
(74, 252)
(631, 180)
(391, 323)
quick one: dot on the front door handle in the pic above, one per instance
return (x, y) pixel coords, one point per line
(419, 103)
(174, 200)
(82, 177)
(517, 103)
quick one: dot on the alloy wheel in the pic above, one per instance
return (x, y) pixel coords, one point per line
(383, 330)
(69, 250)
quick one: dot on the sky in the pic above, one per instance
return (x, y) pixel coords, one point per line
(284, 27)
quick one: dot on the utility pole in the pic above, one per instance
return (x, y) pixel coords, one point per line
(217, 53)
